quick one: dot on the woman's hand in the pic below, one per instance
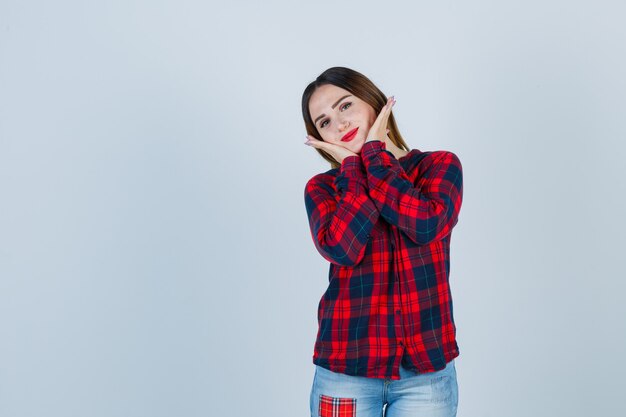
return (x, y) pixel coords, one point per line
(378, 130)
(336, 151)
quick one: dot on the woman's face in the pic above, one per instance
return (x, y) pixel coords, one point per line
(337, 112)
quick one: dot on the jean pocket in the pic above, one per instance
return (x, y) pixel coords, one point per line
(442, 389)
(336, 407)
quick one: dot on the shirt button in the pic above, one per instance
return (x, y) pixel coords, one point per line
(397, 311)
(400, 342)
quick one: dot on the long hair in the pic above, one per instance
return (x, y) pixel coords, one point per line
(360, 86)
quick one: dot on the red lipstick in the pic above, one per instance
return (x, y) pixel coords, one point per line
(350, 135)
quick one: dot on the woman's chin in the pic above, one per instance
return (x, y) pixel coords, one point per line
(357, 148)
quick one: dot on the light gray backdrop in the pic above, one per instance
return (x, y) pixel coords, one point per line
(155, 256)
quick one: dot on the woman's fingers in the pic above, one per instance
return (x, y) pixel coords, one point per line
(310, 140)
(379, 129)
(336, 151)
(387, 110)
(320, 144)
(383, 116)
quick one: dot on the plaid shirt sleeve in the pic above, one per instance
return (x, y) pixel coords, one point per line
(341, 213)
(426, 211)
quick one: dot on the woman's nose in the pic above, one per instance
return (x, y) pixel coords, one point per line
(344, 125)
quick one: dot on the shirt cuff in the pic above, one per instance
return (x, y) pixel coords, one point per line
(372, 148)
(375, 153)
(351, 164)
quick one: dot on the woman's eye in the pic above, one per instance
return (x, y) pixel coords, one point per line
(344, 106)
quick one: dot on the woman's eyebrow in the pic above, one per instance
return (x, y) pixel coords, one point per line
(333, 106)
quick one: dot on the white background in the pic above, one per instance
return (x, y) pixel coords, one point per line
(155, 256)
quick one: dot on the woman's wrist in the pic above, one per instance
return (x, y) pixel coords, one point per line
(351, 163)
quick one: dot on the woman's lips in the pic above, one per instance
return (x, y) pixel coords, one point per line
(350, 135)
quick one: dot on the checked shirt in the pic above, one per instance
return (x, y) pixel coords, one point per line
(384, 224)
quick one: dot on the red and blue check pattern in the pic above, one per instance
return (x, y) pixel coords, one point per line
(385, 224)
(336, 407)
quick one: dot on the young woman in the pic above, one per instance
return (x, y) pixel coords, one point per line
(382, 216)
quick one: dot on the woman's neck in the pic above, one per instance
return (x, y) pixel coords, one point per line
(397, 152)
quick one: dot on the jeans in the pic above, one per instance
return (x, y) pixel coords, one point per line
(427, 394)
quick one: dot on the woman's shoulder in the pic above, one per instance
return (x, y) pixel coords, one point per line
(414, 158)
(324, 179)
(418, 163)
(417, 156)
(443, 155)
